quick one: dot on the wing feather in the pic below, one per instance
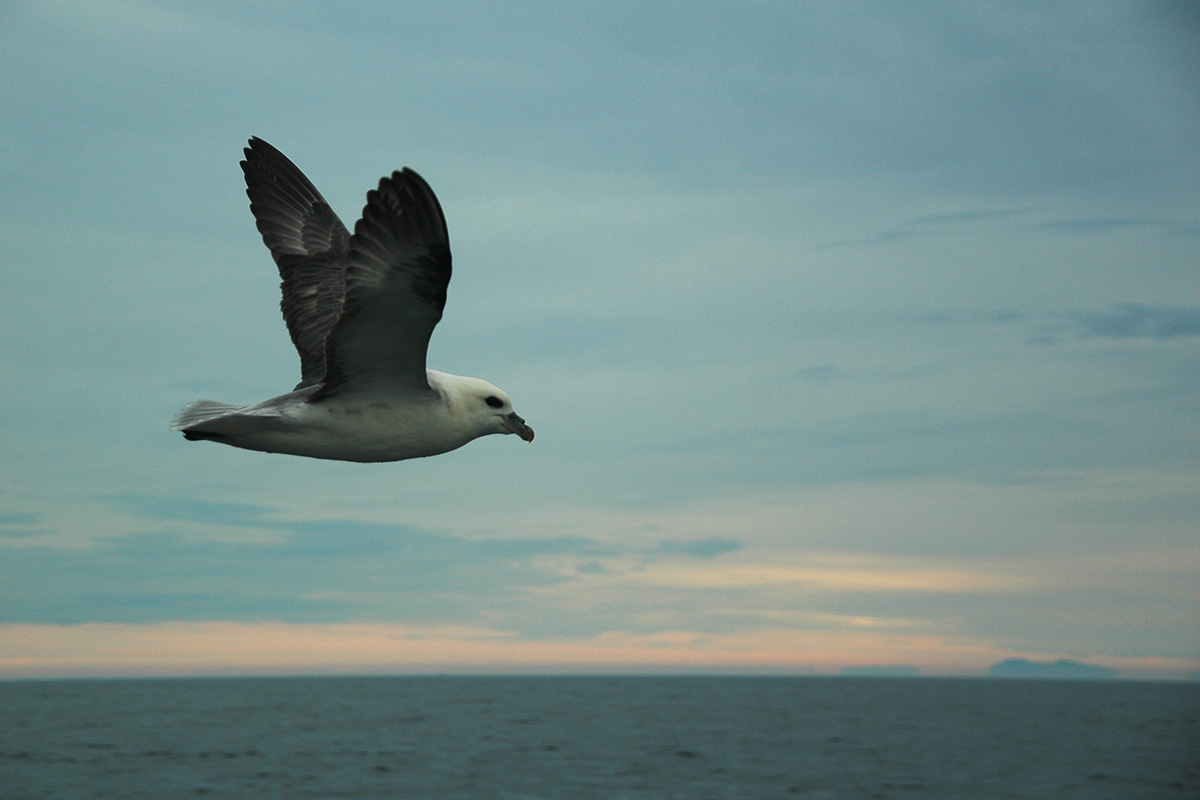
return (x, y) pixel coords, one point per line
(397, 271)
(309, 244)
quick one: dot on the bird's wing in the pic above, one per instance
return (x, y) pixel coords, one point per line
(309, 244)
(397, 270)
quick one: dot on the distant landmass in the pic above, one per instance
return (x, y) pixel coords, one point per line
(1063, 668)
(882, 671)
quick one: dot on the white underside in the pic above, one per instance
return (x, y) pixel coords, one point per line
(349, 428)
(369, 431)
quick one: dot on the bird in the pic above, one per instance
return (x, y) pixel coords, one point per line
(360, 309)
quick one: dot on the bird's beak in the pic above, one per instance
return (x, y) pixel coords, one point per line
(514, 424)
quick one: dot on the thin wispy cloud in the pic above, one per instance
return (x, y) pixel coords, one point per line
(1135, 321)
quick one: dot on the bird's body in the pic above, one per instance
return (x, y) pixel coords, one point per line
(360, 309)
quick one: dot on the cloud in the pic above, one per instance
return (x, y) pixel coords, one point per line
(960, 217)
(1136, 321)
(850, 575)
(888, 237)
(1096, 225)
(18, 524)
(243, 561)
(701, 548)
(183, 509)
(315, 571)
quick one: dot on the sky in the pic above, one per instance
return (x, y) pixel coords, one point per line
(854, 335)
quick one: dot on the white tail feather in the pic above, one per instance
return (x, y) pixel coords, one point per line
(201, 411)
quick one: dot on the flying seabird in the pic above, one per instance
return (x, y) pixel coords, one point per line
(360, 310)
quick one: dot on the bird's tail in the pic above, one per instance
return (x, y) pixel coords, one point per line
(192, 418)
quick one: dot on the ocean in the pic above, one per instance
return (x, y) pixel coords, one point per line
(598, 738)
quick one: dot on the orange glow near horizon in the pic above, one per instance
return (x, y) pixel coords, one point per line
(222, 648)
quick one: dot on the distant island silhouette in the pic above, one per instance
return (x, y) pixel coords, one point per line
(1063, 668)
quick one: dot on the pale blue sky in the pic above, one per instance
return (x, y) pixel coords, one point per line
(853, 333)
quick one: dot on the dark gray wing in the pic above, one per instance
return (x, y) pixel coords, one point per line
(309, 244)
(397, 270)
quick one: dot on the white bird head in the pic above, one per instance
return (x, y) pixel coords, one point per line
(483, 407)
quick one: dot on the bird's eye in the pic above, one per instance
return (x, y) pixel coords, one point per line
(493, 401)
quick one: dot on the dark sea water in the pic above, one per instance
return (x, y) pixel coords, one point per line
(560, 738)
